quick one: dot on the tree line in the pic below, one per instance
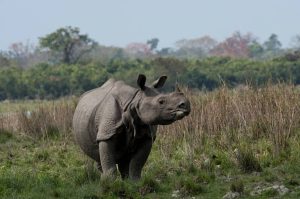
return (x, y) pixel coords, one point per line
(53, 81)
(69, 46)
(69, 63)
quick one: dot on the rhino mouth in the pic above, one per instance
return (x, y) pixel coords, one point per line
(179, 114)
(176, 115)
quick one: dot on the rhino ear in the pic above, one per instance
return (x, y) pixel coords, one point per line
(141, 81)
(160, 82)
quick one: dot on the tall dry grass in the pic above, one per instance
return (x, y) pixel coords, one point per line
(228, 116)
(8, 122)
(231, 115)
(45, 120)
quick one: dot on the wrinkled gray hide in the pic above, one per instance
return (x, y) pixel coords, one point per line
(116, 124)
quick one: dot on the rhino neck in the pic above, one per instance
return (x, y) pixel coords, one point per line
(132, 102)
(131, 119)
(134, 109)
(130, 110)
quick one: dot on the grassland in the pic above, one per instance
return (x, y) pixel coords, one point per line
(244, 141)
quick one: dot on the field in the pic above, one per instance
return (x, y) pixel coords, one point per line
(241, 142)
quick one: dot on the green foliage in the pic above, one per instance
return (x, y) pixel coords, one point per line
(53, 81)
(5, 135)
(11, 83)
(4, 60)
(255, 50)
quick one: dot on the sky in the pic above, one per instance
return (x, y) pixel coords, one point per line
(120, 22)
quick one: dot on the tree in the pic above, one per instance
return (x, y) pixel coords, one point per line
(236, 46)
(153, 43)
(11, 83)
(272, 43)
(172, 67)
(138, 50)
(198, 47)
(205, 43)
(21, 53)
(69, 43)
(272, 46)
(256, 50)
(296, 42)
(4, 60)
(165, 51)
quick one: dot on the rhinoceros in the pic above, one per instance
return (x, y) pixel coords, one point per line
(116, 124)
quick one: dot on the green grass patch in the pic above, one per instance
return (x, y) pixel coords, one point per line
(5, 136)
(56, 168)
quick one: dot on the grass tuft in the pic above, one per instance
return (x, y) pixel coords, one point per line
(148, 185)
(189, 185)
(247, 161)
(237, 186)
(116, 188)
(5, 136)
(42, 155)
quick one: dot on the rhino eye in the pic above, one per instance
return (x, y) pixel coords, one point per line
(161, 101)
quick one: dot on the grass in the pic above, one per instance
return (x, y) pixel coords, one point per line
(234, 140)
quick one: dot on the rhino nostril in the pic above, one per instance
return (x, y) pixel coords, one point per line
(182, 105)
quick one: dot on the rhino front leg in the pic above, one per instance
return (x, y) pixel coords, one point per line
(139, 159)
(107, 158)
(123, 167)
(99, 167)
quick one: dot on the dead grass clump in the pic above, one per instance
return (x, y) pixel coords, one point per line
(8, 122)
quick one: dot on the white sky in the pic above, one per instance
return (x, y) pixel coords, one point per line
(119, 22)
